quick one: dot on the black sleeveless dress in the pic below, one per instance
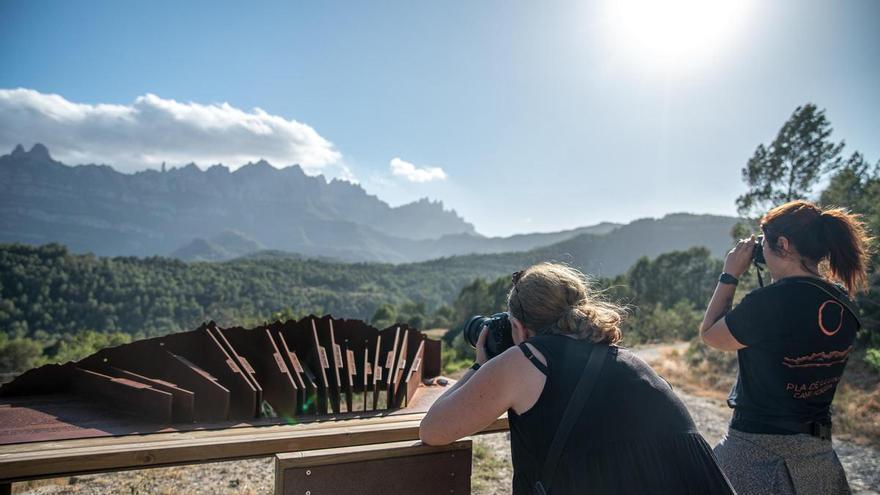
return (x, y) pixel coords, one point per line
(635, 436)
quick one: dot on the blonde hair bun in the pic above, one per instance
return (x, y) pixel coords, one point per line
(555, 298)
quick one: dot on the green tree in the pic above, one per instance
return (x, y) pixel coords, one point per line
(672, 277)
(18, 354)
(384, 317)
(73, 347)
(856, 186)
(788, 169)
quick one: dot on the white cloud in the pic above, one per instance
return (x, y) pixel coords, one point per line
(413, 173)
(152, 130)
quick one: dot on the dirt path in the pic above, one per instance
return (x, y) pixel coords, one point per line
(492, 468)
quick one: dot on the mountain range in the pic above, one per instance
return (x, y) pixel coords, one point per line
(262, 211)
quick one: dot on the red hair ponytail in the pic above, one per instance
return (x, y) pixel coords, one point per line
(847, 240)
(832, 234)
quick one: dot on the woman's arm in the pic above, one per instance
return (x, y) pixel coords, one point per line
(714, 330)
(481, 396)
(475, 404)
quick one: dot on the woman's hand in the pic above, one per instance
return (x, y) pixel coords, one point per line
(740, 257)
(482, 357)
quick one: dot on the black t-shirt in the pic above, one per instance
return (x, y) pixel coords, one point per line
(633, 436)
(798, 338)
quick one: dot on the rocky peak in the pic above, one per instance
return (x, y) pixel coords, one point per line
(40, 152)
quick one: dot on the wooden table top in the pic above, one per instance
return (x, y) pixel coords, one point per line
(22, 461)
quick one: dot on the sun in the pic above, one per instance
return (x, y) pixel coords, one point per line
(672, 34)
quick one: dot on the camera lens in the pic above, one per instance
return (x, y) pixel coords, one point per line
(500, 333)
(758, 252)
(471, 331)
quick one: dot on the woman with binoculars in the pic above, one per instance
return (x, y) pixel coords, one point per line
(793, 338)
(586, 416)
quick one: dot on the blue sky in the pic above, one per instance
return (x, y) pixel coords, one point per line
(542, 116)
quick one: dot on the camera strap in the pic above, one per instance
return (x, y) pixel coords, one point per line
(573, 411)
(842, 299)
(760, 277)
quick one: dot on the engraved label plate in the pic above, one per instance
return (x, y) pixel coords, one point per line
(246, 365)
(322, 356)
(351, 364)
(232, 366)
(295, 362)
(337, 355)
(280, 362)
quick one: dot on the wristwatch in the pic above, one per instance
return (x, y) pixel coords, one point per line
(727, 278)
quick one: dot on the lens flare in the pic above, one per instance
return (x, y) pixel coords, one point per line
(671, 34)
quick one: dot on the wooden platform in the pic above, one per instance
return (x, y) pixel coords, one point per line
(23, 461)
(60, 417)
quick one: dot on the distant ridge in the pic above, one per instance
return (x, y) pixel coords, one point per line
(223, 246)
(93, 208)
(217, 214)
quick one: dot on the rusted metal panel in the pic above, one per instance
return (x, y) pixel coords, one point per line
(211, 399)
(433, 365)
(413, 376)
(244, 366)
(319, 361)
(48, 379)
(123, 394)
(202, 349)
(305, 383)
(389, 363)
(152, 359)
(182, 401)
(257, 351)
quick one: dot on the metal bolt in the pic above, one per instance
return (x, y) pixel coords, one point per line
(308, 472)
(308, 492)
(452, 474)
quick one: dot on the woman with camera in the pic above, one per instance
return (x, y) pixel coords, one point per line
(793, 338)
(586, 416)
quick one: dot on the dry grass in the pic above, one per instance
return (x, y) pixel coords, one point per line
(856, 404)
(488, 476)
(703, 380)
(435, 333)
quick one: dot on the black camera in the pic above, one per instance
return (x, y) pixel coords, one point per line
(758, 251)
(500, 336)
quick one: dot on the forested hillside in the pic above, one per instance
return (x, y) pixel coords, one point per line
(50, 289)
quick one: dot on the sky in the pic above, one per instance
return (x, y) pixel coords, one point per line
(521, 116)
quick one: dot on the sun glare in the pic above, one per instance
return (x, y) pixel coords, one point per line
(671, 34)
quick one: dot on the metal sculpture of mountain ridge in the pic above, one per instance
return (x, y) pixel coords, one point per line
(310, 368)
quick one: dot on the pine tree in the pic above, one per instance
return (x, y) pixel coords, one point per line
(800, 155)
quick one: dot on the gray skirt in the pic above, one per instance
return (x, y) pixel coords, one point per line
(780, 464)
